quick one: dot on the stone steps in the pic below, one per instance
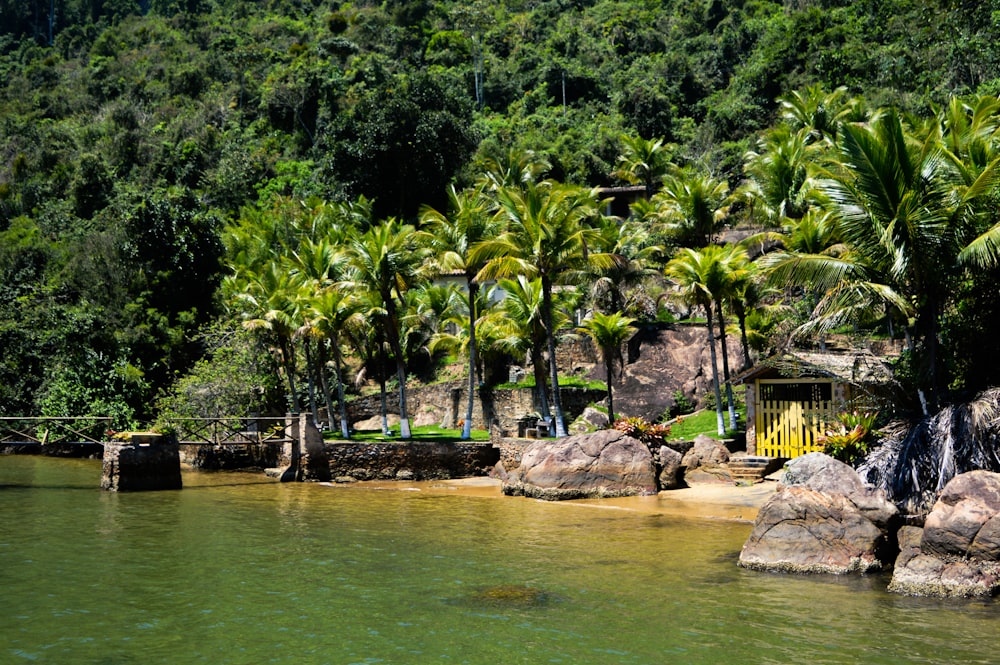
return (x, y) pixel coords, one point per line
(751, 469)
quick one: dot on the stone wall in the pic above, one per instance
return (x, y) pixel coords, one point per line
(410, 461)
(236, 457)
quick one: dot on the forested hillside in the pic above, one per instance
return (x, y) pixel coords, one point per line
(139, 140)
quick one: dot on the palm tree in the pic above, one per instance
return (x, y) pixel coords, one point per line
(511, 167)
(901, 206)
(615, 288)
(779, 187)
(269, 304)
(731, 277)
(698, 275)
(452, 236)
(332, 312)
(643, 162)
(819, 114)
(387, 261)
(517, 327)
(694, 205)
(546, 238)
(609, 332)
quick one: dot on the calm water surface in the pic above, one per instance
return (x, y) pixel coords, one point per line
(237, 569)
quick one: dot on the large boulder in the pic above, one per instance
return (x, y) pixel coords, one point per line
(608, 463)
(957, 553)
(822, 519)
(706, 463)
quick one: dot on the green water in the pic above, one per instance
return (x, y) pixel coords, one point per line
(236, 569)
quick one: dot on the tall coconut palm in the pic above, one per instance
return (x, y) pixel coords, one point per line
(901, 205)
(546, 238)
(452, 236)
(517, 327)
(332, 312)
(609, 332)
(727, 288)
(387, 261)
(268, 302)
(698, 274)
(779, 186)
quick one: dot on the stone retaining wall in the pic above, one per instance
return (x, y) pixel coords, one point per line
(410, 461)
(236, 457)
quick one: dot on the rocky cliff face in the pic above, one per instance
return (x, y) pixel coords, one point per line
(662, 360)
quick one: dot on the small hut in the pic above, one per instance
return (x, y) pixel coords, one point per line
(793, 397)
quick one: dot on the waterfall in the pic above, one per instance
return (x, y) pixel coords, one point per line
(914, 462)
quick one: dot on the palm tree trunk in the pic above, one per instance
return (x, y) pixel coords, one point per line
(715, 372)
(741, 316)
(287, 352)
(553, 368)
(392, 332)
(382, 391)
(725, 366)
(324, 383)
(396, 347)
(609, 368)
(467, 425)
(341, 403)
(538, 368)
(311, 382)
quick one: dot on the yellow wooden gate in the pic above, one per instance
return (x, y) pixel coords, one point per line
(791, 415)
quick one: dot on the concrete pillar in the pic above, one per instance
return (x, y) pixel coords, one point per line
(145, 462)
(303, 454)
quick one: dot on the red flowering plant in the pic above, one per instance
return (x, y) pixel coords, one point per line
(653, 435)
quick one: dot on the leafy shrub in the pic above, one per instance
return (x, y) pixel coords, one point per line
(681, 404)
(848, 439)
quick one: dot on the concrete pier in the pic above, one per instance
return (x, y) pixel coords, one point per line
(146, 461)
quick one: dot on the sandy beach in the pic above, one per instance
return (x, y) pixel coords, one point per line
(739, 503)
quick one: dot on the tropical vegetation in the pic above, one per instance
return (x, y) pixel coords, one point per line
(212, 206)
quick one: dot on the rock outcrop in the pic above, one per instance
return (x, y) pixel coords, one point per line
(706, 463)
(607, 463)
(670, 465)
(822, 519)
(957, 553)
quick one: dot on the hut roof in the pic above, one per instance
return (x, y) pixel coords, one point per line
(859, 367)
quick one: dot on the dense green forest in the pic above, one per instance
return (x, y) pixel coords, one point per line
(172, 170)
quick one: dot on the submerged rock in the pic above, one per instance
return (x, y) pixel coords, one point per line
(957, 553)
(512, 595)
(608, 463)
(822, 519)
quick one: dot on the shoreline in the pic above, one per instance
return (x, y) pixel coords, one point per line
(739, 503)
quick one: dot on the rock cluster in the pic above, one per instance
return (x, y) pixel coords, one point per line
(823, 518)
(706, 463)
(957, 552)
(607, 463)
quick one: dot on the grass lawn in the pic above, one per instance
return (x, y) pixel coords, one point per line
(424, 434)
(701, 422)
